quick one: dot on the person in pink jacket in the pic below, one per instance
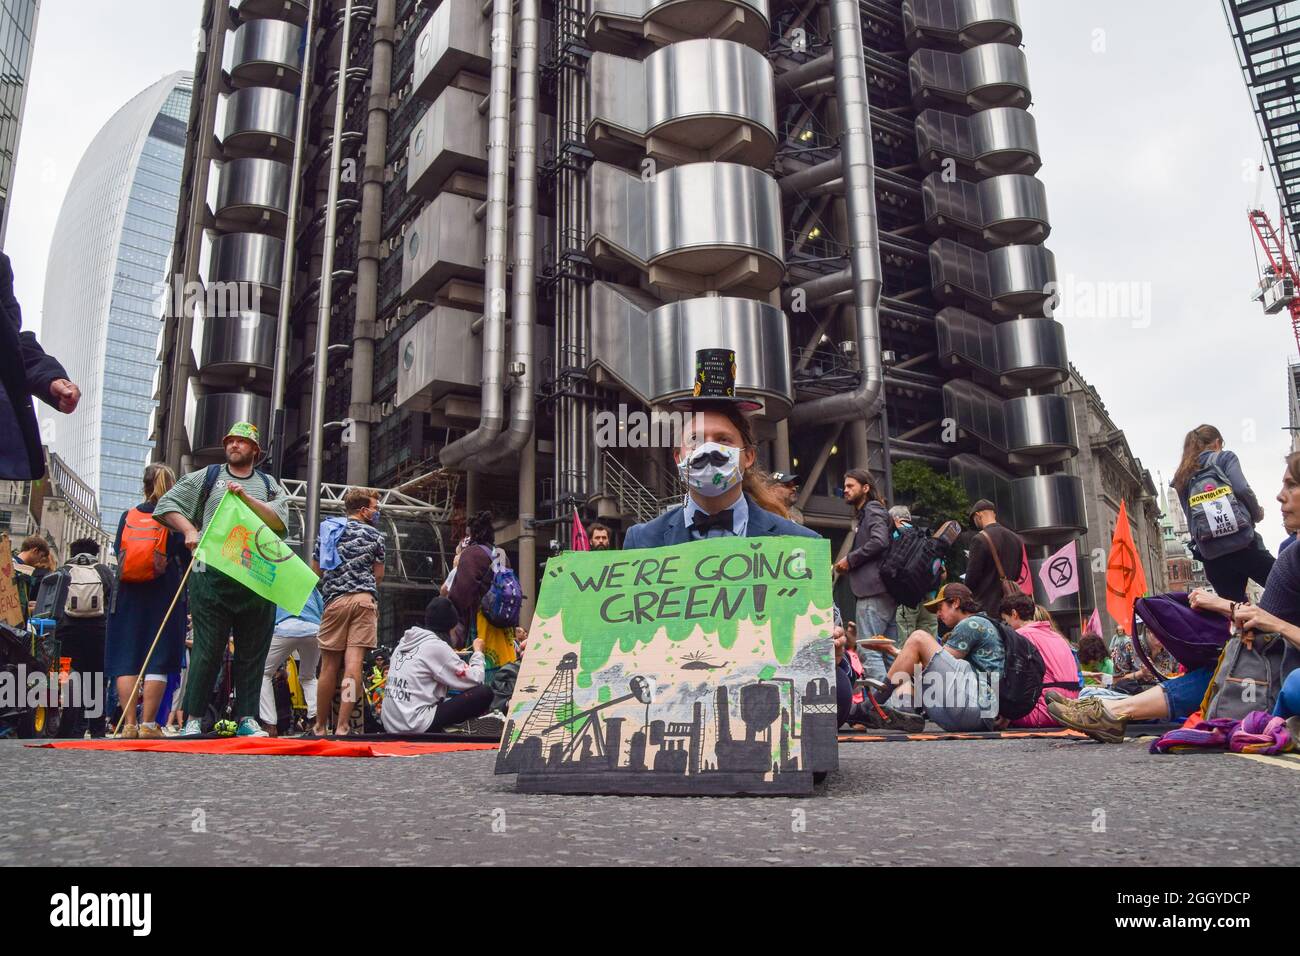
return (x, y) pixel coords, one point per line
(1062, 673)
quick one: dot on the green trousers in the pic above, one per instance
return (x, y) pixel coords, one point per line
(221, 607)
(917, 618)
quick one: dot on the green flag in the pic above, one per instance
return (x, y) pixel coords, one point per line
(238, 543)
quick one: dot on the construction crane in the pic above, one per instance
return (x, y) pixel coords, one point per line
(1278, 282)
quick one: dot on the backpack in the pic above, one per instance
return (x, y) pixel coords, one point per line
(75, 592)
(1218, 521)
(143, 554)
(911, 567)
(1247, 678)
(1194, 638)
(1021, 684)
(502, 596)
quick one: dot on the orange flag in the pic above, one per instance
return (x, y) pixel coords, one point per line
(1125, 582)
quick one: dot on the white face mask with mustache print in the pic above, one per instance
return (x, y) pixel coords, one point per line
(712, 469)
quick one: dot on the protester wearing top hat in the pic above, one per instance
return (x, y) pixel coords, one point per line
(220, 605)
(716, 460)
(993, 544)
(786, 486)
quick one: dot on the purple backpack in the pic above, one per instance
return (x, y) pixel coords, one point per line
(1194, 638)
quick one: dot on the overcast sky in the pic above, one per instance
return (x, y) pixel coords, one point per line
(1148, 150)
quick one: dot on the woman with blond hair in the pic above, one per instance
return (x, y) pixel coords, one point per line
(151, 561)
(1221, 512)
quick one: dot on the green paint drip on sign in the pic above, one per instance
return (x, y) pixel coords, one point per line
(624, 599)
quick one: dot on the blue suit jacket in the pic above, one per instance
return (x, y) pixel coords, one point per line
(670, 528)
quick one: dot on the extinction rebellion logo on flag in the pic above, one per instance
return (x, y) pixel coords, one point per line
(257, 552)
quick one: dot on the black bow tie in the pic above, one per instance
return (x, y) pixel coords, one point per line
(703, 523)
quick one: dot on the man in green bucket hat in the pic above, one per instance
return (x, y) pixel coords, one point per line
(219, 605)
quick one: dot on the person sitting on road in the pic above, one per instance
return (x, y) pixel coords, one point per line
(1094, 661)
(1132, 676)
(1061, 673)
(1176, 699)
(423, 673)
(957, 688)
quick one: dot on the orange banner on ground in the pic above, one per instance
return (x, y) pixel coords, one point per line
(273, 746)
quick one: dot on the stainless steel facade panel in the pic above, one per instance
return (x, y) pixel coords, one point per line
(964, 22)
(614, 25)
(1047, 507)
(701, 78)
(616, 86)
(1010, 280)
(294, 11)
(987, 143)
(628, 327)
(1039, 429)
(457, 37)
(1042, 508)
(995, 211)
(698, 206)
(976, 411)
(755, 330)
(450, 137)
(212, 414)
(1014, 209)
(443, 243)
(983, 77)
(258, 115)
(1006, 140)
(244, 340)
(1013, 355)
(247, 257)
(1019, 277)
(706, 205)
(1031, 353)
(266, 53)
(438, 355)
(251, 189)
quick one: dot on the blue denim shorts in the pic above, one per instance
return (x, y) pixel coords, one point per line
(1184, 693)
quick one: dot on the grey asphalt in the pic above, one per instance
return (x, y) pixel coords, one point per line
(971, 802)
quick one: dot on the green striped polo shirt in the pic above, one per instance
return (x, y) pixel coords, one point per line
(184, 496)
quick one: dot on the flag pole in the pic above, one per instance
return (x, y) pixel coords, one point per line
(166, 617)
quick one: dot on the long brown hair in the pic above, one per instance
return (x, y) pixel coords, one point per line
(1198, 440)
(756, 483)
(158, 480)
(865, 478)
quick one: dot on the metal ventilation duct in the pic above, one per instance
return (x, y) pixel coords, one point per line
(457, 37)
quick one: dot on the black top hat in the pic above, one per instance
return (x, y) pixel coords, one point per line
(715, 383)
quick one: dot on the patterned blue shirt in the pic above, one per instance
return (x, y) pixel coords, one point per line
(739, 518)
(360, 548)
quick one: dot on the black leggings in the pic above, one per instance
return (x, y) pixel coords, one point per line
(1228, 574)
(466, 705)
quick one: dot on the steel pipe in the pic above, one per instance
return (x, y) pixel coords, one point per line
(320, 374)
(492, 395)
(863, 229)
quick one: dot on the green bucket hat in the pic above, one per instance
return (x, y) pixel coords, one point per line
(245, 430)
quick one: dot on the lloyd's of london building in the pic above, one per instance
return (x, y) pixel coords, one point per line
(544, 209)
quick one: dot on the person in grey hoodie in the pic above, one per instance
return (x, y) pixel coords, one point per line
(424, 669)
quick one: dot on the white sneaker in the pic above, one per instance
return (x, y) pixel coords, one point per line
(193, 728)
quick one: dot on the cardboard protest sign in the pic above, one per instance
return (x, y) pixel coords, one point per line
(704, 668)
(11, 611)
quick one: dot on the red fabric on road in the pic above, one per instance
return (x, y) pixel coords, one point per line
(273, 746)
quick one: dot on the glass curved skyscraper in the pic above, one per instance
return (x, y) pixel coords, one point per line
(108, 256)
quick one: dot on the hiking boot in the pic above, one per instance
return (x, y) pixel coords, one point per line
(904, 721)
(193, 728)
(1091, 718)
(1293, 728)
(149, 732)
(1056, 697)
(129, 732)
(249, 727)
(866, 715)
(490, 724)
